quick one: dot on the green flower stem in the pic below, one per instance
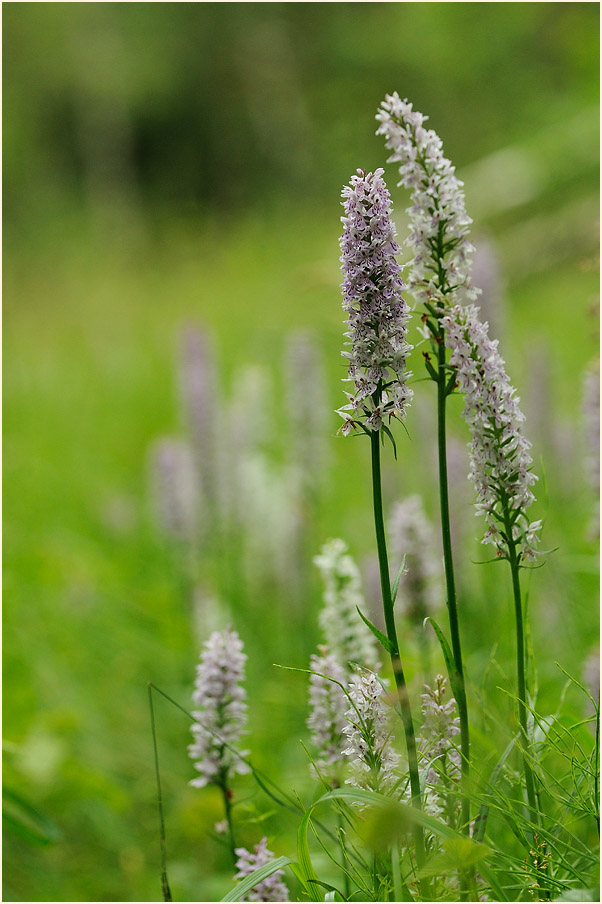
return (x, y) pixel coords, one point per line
(226, 794)
(452, 607)
(520, 669)
(400, 682)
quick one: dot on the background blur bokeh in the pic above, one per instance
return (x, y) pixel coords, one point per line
(168, 164)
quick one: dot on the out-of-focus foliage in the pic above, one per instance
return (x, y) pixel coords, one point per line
(170, 163)
(224, 104)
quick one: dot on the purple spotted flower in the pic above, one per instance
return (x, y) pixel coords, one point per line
(377, 314)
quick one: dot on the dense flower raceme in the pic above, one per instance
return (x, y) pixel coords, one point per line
(222, 711)
(440, 272)
(328, 704)
(377, 313)
(437, 747)
(272, 888)
(500, 460)
(368, 732)
(413, 537)
(346, 635)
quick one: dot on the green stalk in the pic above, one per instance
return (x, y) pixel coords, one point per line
(228, 809)
(450, 584)
(520, 669)
(400, 682)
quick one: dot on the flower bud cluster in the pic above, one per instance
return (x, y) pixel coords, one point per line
(368, 732)
(272, 888)
(222, 711)
(440, 272)
(377, 313)
(500, 461)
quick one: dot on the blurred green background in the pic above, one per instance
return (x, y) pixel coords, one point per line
(176, 163)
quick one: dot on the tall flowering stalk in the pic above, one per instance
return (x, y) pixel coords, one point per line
(500, 469)
(439, 277)
(222, 714)
(377, 324)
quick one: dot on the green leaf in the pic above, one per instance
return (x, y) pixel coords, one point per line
(391, 437)
(305, 865)
(458, 855)
(454, 676)
(332, 889)
(395, 586)
(254, 878)
(26, 821)
(378, 634)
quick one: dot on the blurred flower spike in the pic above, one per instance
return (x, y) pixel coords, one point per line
(222, 711)
(377, 313)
